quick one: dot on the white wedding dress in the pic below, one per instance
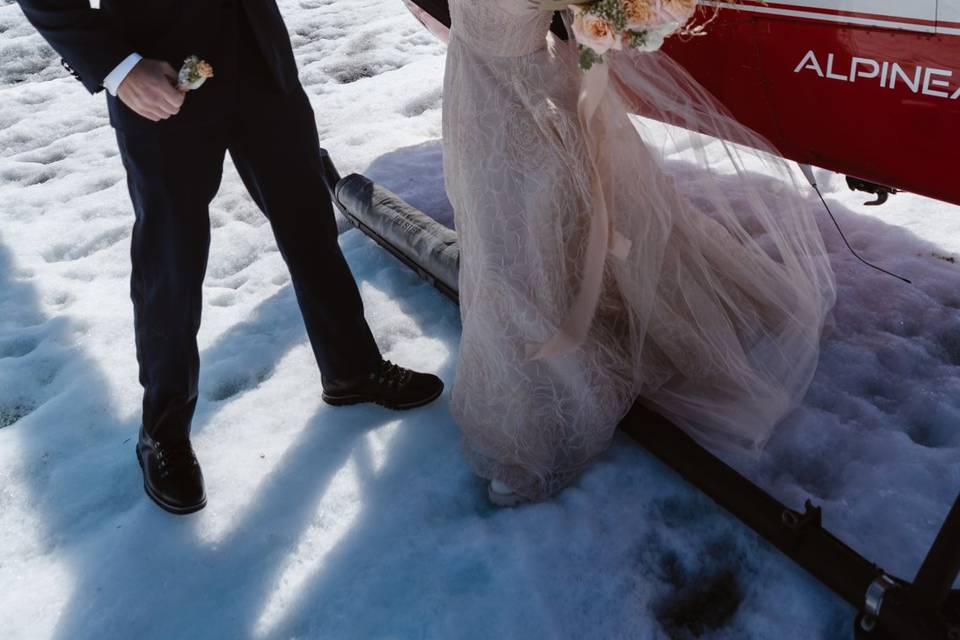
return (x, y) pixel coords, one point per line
(711, 292)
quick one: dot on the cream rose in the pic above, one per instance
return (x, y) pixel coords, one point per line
(680, 10)
(655, 37)
(594, 32)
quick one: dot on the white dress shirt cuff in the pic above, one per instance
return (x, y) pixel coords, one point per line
(112, 82)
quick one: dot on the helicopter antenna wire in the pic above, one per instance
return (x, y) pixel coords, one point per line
(808, 172)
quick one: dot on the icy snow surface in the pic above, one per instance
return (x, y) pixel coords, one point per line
(360, 523)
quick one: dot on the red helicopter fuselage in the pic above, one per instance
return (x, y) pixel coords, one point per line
(868, 88)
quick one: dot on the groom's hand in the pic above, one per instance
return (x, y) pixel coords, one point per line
(149, 90)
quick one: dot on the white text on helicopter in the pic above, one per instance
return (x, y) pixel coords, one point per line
(926, 80)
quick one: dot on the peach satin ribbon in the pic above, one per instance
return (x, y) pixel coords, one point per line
(601, 239)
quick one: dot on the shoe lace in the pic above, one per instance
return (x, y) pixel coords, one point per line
(391, 375)
(176, 455)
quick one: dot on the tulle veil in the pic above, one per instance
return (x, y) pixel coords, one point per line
(722, 269)
(765, 317)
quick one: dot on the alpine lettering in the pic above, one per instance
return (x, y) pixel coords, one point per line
(891, 75)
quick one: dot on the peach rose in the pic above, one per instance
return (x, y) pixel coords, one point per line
(204, 69)
(594, 32)
(641, 14)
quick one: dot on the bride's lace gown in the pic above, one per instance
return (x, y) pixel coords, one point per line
(712, 313)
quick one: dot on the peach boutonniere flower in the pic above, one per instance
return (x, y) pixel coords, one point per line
(193, 74)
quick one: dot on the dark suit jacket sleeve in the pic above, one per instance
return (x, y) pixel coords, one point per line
(82, 36)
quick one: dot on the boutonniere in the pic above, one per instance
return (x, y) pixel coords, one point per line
(193, 74)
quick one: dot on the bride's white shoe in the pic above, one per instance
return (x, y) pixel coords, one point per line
(502, 495)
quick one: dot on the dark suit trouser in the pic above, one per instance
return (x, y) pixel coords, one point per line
(273, 141)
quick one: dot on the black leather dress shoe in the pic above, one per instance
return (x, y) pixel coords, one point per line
(389, 385)
(171, 475)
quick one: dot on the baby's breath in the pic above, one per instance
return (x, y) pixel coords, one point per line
(611, 11)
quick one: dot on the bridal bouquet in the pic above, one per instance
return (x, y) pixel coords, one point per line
(603, 25)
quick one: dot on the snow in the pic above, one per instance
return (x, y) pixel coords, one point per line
(358, 522)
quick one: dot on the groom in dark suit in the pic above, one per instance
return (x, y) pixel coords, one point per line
(173, 147)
